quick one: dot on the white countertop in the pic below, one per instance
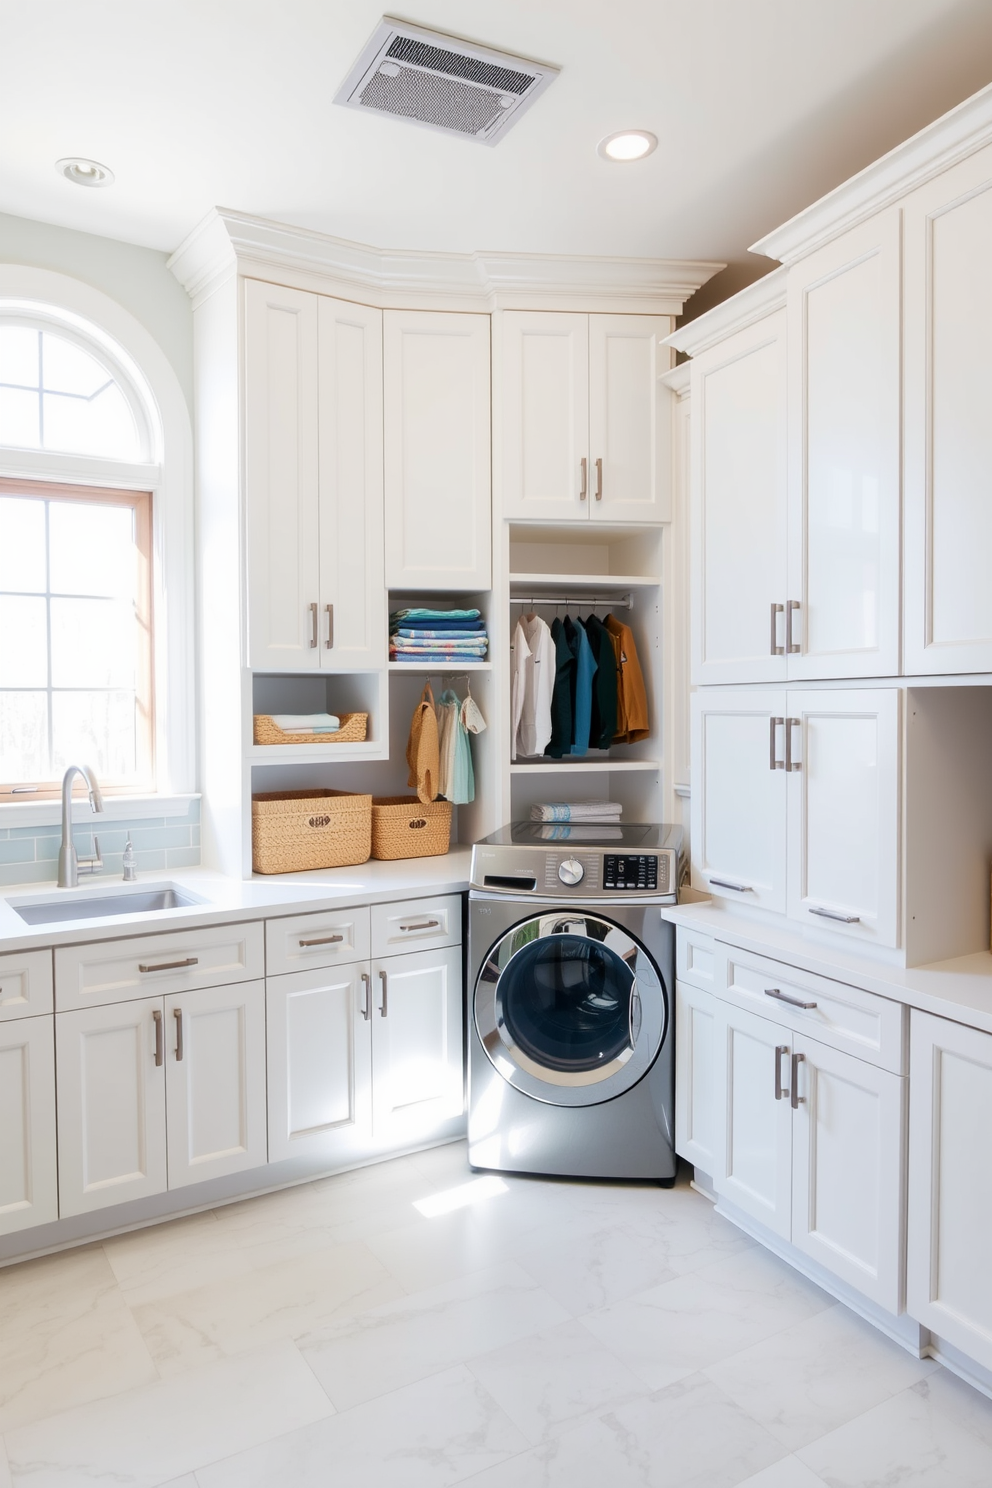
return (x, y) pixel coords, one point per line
(960, 989)
(230, 899)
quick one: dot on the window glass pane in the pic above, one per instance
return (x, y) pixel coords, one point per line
(103, 426)
(93, 643)
(67, 368)
(19, 355)
(23, 642)
(24, 736)
(97, 727)
(92, 548)
(22, 544)
(19, 418)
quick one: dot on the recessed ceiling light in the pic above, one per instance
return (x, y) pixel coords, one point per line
(628, 144)
(85, 172)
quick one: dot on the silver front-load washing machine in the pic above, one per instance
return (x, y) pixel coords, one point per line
(572, 991)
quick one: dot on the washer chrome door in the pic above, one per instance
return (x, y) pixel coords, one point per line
(570, 1009)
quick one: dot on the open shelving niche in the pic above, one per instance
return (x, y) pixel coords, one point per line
(389, 696)
(579, 564)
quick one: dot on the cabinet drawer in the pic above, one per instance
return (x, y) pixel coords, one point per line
(416, 923)
(330, 938)
(842, 1016)
(696, 958)
(149, 965)
(25, 984)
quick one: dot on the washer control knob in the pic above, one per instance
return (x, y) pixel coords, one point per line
(571, 871)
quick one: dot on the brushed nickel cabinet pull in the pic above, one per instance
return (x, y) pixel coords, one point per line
(423, 925)
(832, 914)
(367, 1005)
(724, 883)
(384, 1008)
(329, 643)
(791, 605)
(177, 1013)
(774, 763)
(313, 627)
(797, 1099)
(792, 1001)
(584, 487)
(790, 763)
(599, 480)
(780, 1090)
(776, 649)
(323, 940)
(159, 1037)
(169, 965)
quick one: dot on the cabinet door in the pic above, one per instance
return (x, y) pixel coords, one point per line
(352, 586)
(844, 812)
(696, 1044)
(28, 1166)
(844, 441)
(753, 1167)
(848, 1150)
(629, 439)
(417, 1076)
(215, 1083)
(542, 417)
(281, 477)
(738, 801)
(948, 431)
(738, 507)
(949, 1287)
(320, 1063)
(437, 450)
(110, 1085)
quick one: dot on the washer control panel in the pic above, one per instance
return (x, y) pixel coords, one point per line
(626, 872)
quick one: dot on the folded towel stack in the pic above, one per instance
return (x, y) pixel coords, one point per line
(444, 636)
(576, 811)
(307, 723)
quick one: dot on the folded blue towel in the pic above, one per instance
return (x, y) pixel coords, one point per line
(419, 614)
(447, 633)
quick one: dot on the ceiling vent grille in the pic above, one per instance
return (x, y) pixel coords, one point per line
(443, 83)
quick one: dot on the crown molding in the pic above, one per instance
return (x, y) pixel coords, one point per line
(934, 149)
(227, 241)
(742, 309)
(677, 380)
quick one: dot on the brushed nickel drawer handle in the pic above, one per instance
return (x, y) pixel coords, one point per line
(599, 480)
(177, 1013)
(780, 1090)
(384, 1009)
(159, 1037)
(314, 623)
(329, 643)
(790, 763)
(774, 763)
(424, 925)
(323, 940)
(724, 883)
(367, 1005)
(791, 646)
(784, 997)
(169, 965)
(775, 648)
(831, 914)
(584, 488)
(797, 1100)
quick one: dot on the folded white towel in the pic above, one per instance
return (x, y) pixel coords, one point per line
(582, 811)
(306, 723)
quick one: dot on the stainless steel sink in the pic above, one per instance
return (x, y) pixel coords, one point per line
(100, 906)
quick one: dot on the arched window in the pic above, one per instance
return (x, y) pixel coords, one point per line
(85, 546)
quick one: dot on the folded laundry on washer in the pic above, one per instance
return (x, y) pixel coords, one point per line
(307, 723)
(576, 811)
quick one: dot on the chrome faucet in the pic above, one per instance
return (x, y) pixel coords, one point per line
(69, 864)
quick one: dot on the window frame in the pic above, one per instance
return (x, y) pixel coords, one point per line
(140, 502)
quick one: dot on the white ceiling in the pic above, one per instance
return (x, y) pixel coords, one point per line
(760, 106)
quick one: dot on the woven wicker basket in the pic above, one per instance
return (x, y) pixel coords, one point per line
(295, 830)
(403, 827)
(352, 731)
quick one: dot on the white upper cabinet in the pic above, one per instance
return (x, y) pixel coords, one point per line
(738, 506)
(281, 477)
(437, 450)
(844, 441)
(948, 393)
(313, 477)
(582, 432)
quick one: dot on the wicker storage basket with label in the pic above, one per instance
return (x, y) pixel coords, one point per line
(354, 727)
(295, 830)
(403, 827)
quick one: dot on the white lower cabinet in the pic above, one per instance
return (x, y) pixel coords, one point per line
(417, 1067)
(28, 1167)
(806, 1139)
(159, 1093)
(949, 1284)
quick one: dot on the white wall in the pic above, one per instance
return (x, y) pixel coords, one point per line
(136, 278)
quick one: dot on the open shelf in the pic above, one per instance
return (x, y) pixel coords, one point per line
(576, 582)
(584, 766)
(435, 669)
(315, 754)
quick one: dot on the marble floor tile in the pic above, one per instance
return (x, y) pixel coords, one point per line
(590, 1456)
(809, 1379)
(436, 1432)
(789, 1473)
(147, 1437)
(549, 1382)
(428, 1252)
(429, 1331)
(696, 1320)
(906, 1442)
(592, 1271)
(66, 1336)
(965, 1406)
(5, 1479)
(284, 1300)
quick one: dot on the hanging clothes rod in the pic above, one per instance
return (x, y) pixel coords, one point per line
(581, 601)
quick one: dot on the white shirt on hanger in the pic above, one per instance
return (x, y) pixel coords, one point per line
(519, 657)
(532, 731)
